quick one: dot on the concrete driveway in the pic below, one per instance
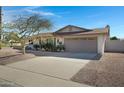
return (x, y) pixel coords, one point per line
(43, 71)
(66, 54)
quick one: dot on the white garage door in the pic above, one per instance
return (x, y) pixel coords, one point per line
(81, 44)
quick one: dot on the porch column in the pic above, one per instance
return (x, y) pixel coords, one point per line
(100, 44)
(54, 41)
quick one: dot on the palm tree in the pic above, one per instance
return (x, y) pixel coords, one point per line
(0, 26)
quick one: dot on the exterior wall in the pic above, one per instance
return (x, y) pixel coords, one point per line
(114, 46)
(76, 29)
(101, 44)
(44, 39)
(61, 39)
(65, 30)
(100, 41)
(36, 40)
(80, 36)
(70, 29)
(101, 37)
(81, 45)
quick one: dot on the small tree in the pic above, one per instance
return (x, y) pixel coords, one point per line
(29, 25)
(12, 37)
(114, 38)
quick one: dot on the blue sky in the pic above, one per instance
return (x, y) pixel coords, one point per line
(84, 16)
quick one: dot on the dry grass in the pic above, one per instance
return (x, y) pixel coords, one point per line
(108, 71)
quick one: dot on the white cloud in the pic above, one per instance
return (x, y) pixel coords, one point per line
(9, 15)
(43, 13)
(39, 12)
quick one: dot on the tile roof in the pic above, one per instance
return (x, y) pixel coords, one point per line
(70, 26)
(95, 31)
(82, 31)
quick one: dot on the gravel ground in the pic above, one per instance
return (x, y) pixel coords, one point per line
(9, 55)
(106, 72)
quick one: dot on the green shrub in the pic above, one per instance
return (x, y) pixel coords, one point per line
(60, 47)
(36, 46)
(49, 47)
(0, 45)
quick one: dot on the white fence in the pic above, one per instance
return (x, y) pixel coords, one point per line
(114, 46)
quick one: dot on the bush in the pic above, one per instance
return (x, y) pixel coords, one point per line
(60, 48)
(17, 47)
(36, 46)
(49, 47)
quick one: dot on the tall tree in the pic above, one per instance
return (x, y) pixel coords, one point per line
(0, 26)
(11, 37)
(27, 26)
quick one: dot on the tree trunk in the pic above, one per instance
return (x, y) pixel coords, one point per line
(0, 27)
(40, 43)
(23, 46)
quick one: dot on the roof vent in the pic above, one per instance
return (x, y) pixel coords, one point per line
(107, 26)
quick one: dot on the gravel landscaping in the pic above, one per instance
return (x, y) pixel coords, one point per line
(9, 55)
(4, 83)
(106, 72)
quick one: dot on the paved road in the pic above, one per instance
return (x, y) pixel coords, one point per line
(43, 71)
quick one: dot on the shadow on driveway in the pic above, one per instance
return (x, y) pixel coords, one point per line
(88, 56)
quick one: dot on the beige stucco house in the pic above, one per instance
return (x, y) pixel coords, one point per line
(77, 39)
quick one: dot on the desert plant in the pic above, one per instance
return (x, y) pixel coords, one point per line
(48, 46)
(60, 47)
(36, 46)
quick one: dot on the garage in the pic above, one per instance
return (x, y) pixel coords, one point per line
(81, 44)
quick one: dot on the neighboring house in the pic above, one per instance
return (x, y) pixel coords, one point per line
(76, 39)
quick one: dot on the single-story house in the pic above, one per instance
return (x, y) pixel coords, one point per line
(77, 39)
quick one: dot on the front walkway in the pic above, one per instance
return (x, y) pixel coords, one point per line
(74, 55)
(7, 51)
